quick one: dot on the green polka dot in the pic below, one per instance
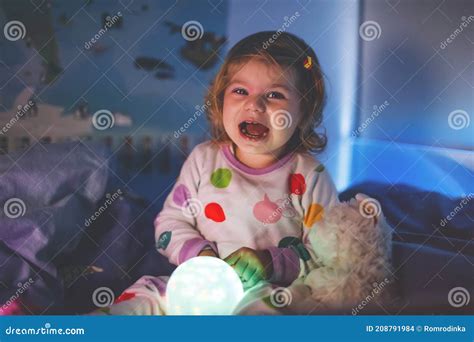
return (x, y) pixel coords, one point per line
(320, 168)
(289, 241)
(302, 252)
(164, 240)
(295, 244)
(221, 178)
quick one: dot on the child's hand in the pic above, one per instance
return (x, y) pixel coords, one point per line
(251, 265)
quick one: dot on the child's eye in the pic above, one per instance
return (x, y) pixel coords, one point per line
(275, 95)
(240, 91)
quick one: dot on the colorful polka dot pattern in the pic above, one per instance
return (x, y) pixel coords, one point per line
(297, 245)
(266, 211)
(181, 195)
(124, 296)
(214, 212)
(288, 241)
(313, 214)
(164, 240)
(297, 184)
(221, 178)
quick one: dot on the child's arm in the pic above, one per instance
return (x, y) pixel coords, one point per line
(298, 258)
(175, 233)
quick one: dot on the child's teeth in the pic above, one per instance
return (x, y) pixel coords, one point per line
(243, 129)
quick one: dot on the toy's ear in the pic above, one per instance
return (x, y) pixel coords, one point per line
(360, 196)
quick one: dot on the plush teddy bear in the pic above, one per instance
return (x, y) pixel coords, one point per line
(353, 247)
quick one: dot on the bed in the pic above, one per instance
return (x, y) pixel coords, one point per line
(63, 255)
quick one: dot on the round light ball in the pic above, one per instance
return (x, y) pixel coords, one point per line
(203, 286)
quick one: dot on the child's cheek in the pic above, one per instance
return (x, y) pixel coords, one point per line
(227, 105)
(231, 110)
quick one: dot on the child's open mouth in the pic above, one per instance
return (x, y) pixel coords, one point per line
(253, 130)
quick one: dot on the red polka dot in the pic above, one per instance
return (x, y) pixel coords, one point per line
(214, 211)
(297, 184)
(124, 296)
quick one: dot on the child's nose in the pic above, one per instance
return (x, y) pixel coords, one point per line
(255, 104)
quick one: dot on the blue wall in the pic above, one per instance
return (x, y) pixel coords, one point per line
(416, 101)
(422, 77)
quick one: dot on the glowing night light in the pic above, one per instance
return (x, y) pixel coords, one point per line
(203, 286)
